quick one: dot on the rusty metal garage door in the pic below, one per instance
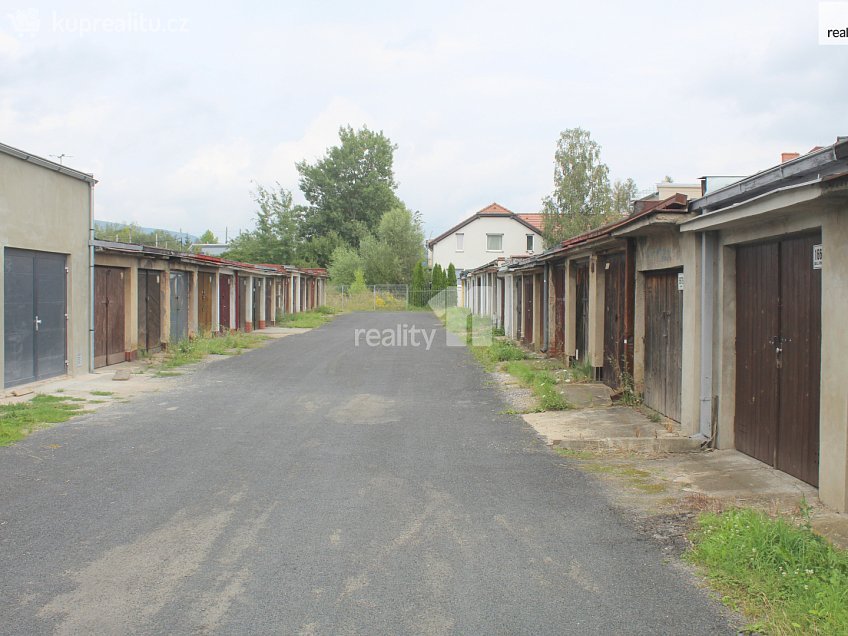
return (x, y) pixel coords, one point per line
(34, 314)
(778, 354)
(663, 342)
(149, 310)
(108, 316)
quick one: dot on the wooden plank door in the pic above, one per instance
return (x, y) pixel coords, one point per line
(778, 349)
(614, 290)
(224, 282)
(663, 343)
(527, 332)
(149, 310)
(108, 316)
(799, 361)
(581, 310)
(205, 294)
(558, 344)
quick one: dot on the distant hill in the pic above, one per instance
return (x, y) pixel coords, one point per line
(129, 233)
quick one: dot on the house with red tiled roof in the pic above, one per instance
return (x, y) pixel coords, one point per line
(486, 235)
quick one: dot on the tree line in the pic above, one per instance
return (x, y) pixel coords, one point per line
(353, 220)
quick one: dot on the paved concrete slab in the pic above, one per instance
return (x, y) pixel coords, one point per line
(588, 395)
(616, 427)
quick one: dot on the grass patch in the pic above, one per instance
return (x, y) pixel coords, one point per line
(582, 371)
(189, 351)
(18, 420)
(541, 381)
(102, 393)
(307, 319)
(786, 578)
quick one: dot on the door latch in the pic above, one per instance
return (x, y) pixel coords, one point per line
(37, 322)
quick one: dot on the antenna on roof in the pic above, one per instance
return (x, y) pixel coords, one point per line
(61, 158)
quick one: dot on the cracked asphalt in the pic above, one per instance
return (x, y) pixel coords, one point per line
(318, 487)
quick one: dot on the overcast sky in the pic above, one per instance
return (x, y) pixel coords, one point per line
(178, 109)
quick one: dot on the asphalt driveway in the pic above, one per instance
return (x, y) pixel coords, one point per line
(319, 487)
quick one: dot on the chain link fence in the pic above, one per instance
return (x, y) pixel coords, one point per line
(390, 298)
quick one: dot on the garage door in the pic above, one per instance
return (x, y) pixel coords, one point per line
(179, 306)
(614, 290)
(205, 295)
(224, 301)
(34, 313)
(663, 342)
(527, 298)
(149, 310)
(581, 310)
(778, 354)
(108, 316)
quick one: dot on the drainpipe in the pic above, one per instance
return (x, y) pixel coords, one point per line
(708, 256)
(545, 294)
(91, 304)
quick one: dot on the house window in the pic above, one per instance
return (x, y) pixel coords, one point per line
(494, 242)
(529, 242)
(460, 241)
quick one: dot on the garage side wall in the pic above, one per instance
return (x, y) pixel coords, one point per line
(43, 210)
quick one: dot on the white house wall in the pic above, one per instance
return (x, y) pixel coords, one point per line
(474, 252)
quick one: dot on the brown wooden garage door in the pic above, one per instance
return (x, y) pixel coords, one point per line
(614, 290)
(558, 344)
(663, 342)
(108, 316)
(527, 297)
(778, 354)
(225, 281)
(205, 299)
(149, 310)
(581, 309)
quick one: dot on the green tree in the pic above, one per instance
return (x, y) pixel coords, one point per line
(389, 255)
(450, 277)
(349, 189)
(419, 285)
(344, 263)
(207, 237)
(358, 285)
(581, 199)
(276, 237)
(438, 280)
(623, 195)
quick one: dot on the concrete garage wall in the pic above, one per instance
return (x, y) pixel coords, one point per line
(44, 210)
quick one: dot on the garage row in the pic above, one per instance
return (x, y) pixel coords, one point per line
(147, 297)
(724, 312)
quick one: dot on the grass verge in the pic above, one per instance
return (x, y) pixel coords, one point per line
(308, 319)
(786, 578)
(189, 351)
(541, 381)
(18, 420)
